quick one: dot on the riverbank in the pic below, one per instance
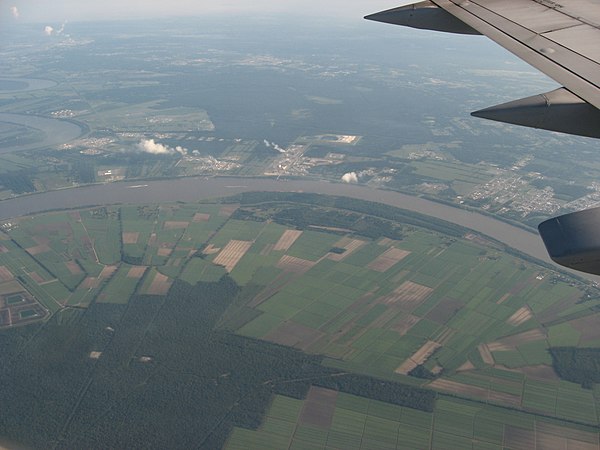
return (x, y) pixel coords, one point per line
(201, 188)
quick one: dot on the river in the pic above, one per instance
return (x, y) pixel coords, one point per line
(15, 85)
(55, 131)
(197, 188)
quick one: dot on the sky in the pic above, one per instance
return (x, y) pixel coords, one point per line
(76, 10)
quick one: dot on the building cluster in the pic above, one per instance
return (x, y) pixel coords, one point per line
(63, 114)
(196, 164)
(515, 192)
(590, 200)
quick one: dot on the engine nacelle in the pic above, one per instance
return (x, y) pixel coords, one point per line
(573, 240)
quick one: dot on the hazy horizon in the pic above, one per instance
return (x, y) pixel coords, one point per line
(72, 10)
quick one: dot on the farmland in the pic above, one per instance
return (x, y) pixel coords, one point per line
(390, 306)
(391, 297)
(328, 419)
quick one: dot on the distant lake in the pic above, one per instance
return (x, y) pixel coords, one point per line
(24, 84)
(56, 131)
(13, 85)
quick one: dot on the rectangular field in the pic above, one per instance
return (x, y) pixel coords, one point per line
(231, 254)
(329, 419)
(287, 240)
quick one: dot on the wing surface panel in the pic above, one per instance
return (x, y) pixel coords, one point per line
(584, 38)
(570, 58)
(540, 18)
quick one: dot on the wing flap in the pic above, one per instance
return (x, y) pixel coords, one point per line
(558, 110)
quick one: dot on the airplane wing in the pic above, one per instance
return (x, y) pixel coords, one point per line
(560, 38)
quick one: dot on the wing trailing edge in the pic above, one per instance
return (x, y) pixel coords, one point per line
(545, 37)
(559, 110)
(425, 16)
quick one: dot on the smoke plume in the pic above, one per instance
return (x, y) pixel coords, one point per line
(155, 148)
(274, 146)
(50, 31)
(350, 177)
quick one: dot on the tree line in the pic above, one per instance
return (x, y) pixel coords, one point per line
(578, 365)
(165, 377)
(374, 209)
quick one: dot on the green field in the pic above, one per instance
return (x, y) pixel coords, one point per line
(463, 177)
(360, 423)
(375, 319)
(478, 321)
(120, 287)
(104, 227)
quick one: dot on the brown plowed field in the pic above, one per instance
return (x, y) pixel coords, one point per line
(293, 264)
(164, 251)
(201, 217)
(486, 354)
(5, 274)
(42, 248)
(160, 285)
(474, 391)
(444, 310)
(575, 439)
(318, 408)
(407, 296)
(405, 324)
(228, 210)
(73, 268)
(287, 239)
(519, 438)
(107, 272)
(520, 317)
(294, 335)
(232, 253)
(35, 277)
(418, 358)
(174, 225)
(136, 272)
(541, 372)
(130, 237)
(349, 244)
(511, 342)
(388, 259)
(588, 327)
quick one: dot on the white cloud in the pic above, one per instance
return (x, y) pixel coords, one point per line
(350, 177)
(15, 12)
(155, 148)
